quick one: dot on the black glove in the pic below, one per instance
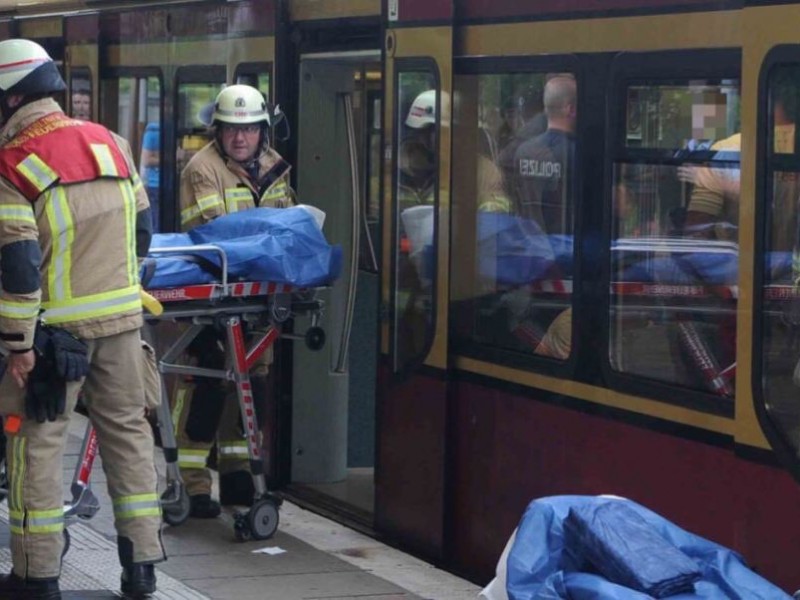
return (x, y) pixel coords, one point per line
(71, 355)
(46, 396)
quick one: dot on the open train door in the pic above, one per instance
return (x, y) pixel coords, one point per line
(81, 65)
(412, 400)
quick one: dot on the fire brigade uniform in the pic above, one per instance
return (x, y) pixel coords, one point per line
(213, 185)
(72, 186)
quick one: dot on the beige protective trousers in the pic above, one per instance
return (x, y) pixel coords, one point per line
(114, 396)
(193, 450)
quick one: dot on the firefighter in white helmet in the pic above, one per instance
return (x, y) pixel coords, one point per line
(73, 218)
(237, 170)
(418, 153)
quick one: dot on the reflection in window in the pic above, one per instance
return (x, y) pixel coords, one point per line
(260, 81)
(674, 251)
(514, 149)
(80, 91)
(132, 108)
(415, 201)
(195, 112)
(781, 299)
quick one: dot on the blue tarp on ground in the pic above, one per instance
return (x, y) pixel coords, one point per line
(539, 567)
(281, 245)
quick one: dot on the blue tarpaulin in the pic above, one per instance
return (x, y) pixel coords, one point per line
(281, 245)
(540, 567)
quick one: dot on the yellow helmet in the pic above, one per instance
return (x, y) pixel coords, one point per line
(240, 105)
(26, 68)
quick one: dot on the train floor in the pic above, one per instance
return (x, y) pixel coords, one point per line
(309, 558)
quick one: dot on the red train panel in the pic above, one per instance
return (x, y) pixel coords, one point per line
(511, 449)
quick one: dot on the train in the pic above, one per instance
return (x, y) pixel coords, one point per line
(570, 237)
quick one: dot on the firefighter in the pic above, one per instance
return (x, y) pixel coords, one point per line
(73, 218)
(237, 170)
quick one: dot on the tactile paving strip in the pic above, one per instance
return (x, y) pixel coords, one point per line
(92, 564)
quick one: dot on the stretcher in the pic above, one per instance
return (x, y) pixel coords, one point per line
(229, 307)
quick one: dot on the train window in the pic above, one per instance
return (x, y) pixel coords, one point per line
(195, 111)
(513, 203)
(674, 233)
(418, 104)
(780, 315)
(255, 75)
(132, 108)
(80, 93)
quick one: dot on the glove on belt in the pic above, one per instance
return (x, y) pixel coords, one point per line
(60, 357)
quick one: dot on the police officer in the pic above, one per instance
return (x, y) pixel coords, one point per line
(545, 163)
(73, 217)
(238, 170)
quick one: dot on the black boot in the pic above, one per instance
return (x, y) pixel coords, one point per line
(203, 507)
(16, 588)
(138, 581)
(236, 488)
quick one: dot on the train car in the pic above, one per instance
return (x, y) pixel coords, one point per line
(571, 247)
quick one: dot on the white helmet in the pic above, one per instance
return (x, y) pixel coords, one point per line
(423, 110)
(240, 105)
(26, 68)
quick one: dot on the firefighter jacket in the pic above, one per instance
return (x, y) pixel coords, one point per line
(213, 185)
(69, 198)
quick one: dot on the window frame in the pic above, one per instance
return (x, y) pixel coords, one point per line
(406, 65)
(256, 68)
(167, 130)
(537, 65)
(629, 68)
(767, 163)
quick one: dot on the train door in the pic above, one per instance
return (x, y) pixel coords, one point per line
(411, 480)
(333, 391)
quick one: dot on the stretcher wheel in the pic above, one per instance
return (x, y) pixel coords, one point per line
(176, 513)
(263, 519)
(67, 542)
(315, 338)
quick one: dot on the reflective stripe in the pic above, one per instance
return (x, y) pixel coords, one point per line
(192, 459)
(63, 233)
(16, 521)
(180, 400)
(236, 196)
(211, 201)
(19, 212)
(45, 521)
(279, 191)
(17, 465)
(35, 170)
(190, 214)
(136, 182)
(129, 203)
(96, 305)
(140, 505)
(19, 310)
(105, 162)
(234, 449)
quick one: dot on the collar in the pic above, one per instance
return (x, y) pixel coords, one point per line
(25, 116)
(266, 161)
